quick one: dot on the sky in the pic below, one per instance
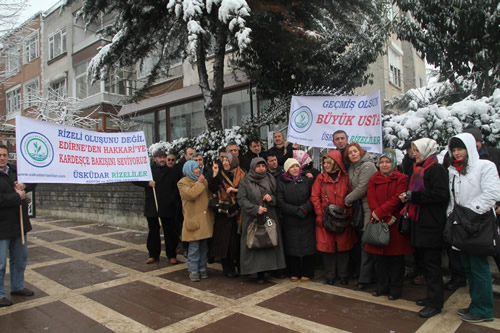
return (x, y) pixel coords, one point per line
(33, 6)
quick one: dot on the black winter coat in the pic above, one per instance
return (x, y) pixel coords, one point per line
(167, 193)
(9, 206)
(427, 232)
(299, 233)
(247, 158)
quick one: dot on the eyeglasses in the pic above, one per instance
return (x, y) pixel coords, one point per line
(171, 159)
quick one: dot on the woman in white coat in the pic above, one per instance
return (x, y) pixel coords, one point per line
(474, 184)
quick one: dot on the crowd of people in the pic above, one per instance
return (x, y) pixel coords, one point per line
(214, 210)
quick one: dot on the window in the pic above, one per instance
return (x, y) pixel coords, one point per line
(187, 120)
(395, 60)
(119, 82)
(236, 108)
(147, 65)
(13, 61)
(145, 123)
(13, 97)
(57, 89)
(31, 93)
(57, 44)
(31, 48)
(83, 88)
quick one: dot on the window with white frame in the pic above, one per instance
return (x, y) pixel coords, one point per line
(31, 93)
(13, 64)
(83, 88)
(57, 89)
(119, 82)
(13, 98)
(395, 61)
(57, 43)
(31, 48)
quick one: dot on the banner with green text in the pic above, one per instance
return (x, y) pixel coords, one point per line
(314, 119)
(52, 153)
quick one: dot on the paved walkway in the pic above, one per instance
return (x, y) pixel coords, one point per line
(93, 278)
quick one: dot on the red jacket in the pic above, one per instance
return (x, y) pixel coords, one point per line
(325, 240)
(383, 192)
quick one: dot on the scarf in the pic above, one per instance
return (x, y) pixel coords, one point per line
(392, 157)
(260, 183)
(302, 157)
(417, 183)
(459, 165)
(188, 169)
(233, 161)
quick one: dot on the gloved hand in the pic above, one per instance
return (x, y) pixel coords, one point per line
(301, 212)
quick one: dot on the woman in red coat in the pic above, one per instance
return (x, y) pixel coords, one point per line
(335, 246)
(383, 191)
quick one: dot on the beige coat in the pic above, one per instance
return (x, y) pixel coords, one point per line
(198, 218)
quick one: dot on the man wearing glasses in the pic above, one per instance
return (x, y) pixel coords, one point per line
(164, 182)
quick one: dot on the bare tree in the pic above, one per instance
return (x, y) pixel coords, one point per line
(9, 13)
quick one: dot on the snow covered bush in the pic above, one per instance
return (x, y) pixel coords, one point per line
(441, 122)
(209, 142)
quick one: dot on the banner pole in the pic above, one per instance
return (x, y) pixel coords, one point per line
(156, 203)
(21, 223)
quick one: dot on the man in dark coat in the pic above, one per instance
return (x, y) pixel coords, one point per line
(273, 167)
(164, 181)
(282, 150)
(254, 150)
(12, 196)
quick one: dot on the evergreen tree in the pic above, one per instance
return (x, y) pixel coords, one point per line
(313, 43)
(172, 30)
(461, 37)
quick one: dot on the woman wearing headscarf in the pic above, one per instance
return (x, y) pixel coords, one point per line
(299, 235)
(361, 169)
(256, 197)
(428, 197)
(334, 246)
(384, 189)
(198, 219)
(306, 164)
(474, 184)
(225, 242)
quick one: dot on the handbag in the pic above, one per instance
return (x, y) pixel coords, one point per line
(474, 234)
(404, 226)
(230, 208)
(335, 218)
(262, 236)
(376, 234)
(358, 217)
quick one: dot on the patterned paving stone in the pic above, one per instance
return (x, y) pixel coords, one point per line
(149, 305)
(138, 238)
(238, 323)
(40, 254)
(54, 235)
(89, 245)
(52, 317)
(343, 313)
(38, 227)
(136, 260)
(97, 229)
(219, 284)
(21, 299)
(69, 224)
(77, 274)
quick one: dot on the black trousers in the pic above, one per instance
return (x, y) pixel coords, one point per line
(170, 233)
(433, 274)
(301, 266)
(455, 265)
(390, 272)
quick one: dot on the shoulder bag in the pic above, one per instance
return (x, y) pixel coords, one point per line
(404, 226)
(474, 234)
(358, 217)
(335, 218)
(262, 235)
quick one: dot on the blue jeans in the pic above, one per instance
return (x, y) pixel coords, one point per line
(18, 259)
(197, 255)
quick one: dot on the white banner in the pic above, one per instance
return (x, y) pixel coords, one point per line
(52, 153)
(313, 119)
